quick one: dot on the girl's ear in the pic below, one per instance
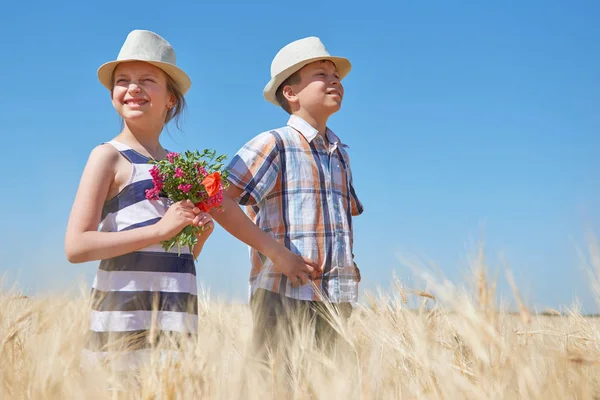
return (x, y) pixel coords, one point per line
(172, 101)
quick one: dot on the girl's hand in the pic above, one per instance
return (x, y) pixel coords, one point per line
(177, 217)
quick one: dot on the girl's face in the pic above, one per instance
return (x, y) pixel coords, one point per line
(140, 92)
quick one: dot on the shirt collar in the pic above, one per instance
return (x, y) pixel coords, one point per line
(309, 132)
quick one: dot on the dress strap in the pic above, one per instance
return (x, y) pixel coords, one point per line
(130, 154)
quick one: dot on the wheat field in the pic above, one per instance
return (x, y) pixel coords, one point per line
(457, 344)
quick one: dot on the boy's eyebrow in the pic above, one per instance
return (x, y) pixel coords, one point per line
(123, 74)
(323, 65)
(319, 69)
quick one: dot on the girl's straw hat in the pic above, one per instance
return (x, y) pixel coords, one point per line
(146, 46)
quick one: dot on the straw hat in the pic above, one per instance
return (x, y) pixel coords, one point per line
(296, 55)
(147, 46)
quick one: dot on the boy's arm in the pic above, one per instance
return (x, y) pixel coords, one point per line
(209, 227)
(356, 207)
(297, 268)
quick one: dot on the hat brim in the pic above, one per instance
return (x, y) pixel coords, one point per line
(181, 79)
(342, 64)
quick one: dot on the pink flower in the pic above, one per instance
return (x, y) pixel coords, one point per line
(184, 188)
(217, 199)
(152, 194)
(201, 170)
(155, 173)
(207, 204)
(172, 156)
(179, 173)
(157, 178)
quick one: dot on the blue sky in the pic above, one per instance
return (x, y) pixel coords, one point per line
(465, 121)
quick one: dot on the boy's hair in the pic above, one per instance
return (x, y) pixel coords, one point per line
(292, 80)
(180, 104)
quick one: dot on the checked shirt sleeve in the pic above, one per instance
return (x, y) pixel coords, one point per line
(255, 168)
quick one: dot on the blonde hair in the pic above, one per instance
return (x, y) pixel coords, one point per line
(176, 112)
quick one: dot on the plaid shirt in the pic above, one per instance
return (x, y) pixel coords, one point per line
(299, 189)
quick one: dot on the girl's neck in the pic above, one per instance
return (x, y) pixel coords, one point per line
(144, 137)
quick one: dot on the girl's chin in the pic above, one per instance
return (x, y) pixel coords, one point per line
(128, 113)
(141, 118)
(137, 115)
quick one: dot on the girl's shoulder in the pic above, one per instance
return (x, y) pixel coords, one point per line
(104, 150)
(104, 156)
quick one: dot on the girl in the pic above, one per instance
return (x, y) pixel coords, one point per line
(141, 294)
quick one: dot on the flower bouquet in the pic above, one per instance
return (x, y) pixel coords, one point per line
(195, 176)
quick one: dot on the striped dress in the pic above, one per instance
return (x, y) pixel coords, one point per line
(140, 298)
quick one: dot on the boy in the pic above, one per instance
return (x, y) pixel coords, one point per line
(296, 184)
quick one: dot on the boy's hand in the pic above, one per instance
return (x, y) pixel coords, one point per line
(203, 219)
(297, 269)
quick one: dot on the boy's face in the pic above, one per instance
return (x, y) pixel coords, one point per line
(320, 91)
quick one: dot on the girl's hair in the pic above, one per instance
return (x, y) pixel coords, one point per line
(176, 112)
(180, 105)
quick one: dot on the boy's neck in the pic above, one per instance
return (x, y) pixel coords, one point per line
(320, 124)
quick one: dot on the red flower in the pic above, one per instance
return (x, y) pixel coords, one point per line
(212, 183)
(203, 206)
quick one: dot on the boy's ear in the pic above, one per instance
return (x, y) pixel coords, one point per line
(289, 94)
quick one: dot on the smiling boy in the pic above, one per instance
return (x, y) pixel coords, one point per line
(296, 184)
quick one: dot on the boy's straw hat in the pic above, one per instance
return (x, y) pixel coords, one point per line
(296, 55)
(147, 46)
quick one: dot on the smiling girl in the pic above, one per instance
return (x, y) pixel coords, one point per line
(141, 294)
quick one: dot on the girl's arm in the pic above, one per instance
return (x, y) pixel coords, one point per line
(84, 243)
